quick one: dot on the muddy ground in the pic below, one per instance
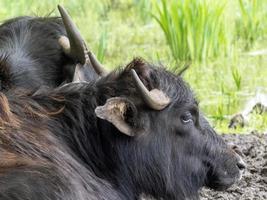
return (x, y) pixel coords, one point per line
(253, 185)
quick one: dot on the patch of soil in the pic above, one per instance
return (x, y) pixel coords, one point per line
(253, 185)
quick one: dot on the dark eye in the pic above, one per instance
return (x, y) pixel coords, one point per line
(187, 118)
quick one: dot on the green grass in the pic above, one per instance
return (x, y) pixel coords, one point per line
(249, 23)
(118, 30)
(194, 30)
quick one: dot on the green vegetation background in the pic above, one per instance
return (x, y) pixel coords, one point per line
(223, 80)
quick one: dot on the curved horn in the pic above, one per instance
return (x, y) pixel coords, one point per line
(78, 49)
(75, 46)
(155, 99)
(100, 70)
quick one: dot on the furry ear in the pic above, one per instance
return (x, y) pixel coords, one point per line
(84, 73)
(121, 113)
(143, 71)
(147, 84)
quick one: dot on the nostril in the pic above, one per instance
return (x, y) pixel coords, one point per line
(241, 165)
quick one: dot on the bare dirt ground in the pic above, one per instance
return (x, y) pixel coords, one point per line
(253, 185)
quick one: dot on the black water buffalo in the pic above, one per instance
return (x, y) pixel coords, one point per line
(136, 130)
(35, 52)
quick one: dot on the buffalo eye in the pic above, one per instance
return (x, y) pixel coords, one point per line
(186, 118)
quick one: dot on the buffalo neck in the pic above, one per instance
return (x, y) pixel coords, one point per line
(108, 153)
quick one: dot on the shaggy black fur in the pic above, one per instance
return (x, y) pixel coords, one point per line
(30, 55)
(62, 150)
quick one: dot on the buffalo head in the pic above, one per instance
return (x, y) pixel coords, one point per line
(163, 144)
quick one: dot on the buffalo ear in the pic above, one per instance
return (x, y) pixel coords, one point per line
(120, 112)
(84, 73)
